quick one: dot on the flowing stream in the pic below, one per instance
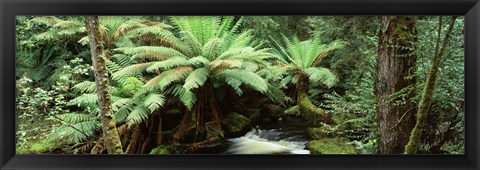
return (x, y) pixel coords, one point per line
(272, 138)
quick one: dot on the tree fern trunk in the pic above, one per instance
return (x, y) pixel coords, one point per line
(424, 106)
(395, 72)
(133, 141)
(110, 133)
(307, 108)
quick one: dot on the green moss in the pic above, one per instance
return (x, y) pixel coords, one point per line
(130, 86)
(255, 115)
(331, 146)
(320, 133)
(234, 123)
(292, 111)
(37, 147)
(160, 150)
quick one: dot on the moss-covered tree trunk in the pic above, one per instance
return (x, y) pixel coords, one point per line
(307, 108)
(395, 71)
(110, 132)
(424, 106)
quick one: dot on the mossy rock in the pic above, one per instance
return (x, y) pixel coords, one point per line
(273, 111)
(320, 133)
(159, 150)
(331, 146)
(254, 115)
(235, 124)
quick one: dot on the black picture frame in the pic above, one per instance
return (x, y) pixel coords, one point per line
(11, 8)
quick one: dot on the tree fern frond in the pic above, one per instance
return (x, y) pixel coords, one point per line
(235, 84)
(47, 20)
(168, 64)
(212, 48)
(137, 115)
(199, 61)
(194, 44)
(154, 101)
(243, 39)
(76, 117)
(196, 78)
(85, 87)
(122, 103)
(323, 75)
(85, 100)
(219, 65)
(64, 24)
(226, 24)
(122, 114)
(173, 75)
(161, 35)
(185, 96)
(132, 70)
(253, 80)
(149, 57)
(150, 49)
(164, 79)
(331, 47)
(275, 94)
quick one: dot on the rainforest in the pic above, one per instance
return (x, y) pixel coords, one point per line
(240, 85)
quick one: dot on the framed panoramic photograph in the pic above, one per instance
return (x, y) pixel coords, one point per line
(240, 84)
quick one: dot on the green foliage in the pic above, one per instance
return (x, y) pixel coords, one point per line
(159, 63)
(302, 57)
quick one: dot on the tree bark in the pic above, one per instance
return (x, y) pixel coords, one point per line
(110, 132)
(395, 72)
(424, 106)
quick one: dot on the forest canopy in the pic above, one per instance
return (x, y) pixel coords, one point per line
(240, 85)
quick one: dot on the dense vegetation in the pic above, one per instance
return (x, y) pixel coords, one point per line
(159, 85)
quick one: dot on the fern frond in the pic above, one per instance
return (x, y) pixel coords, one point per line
(85, 100)
(76, 117)
(132, 70)
(243, 39)
(168, 64)
(323, 75)
(154, 101)
(85, 87)
(150, 49)
(47, 20)
(166, 78)
(196, 78)
(331, 47)
(212, 48)
(137, 115)
(122, 103)
(235, 84)
(253, 80)
(198, 61)
(275, 94)
(185, 96)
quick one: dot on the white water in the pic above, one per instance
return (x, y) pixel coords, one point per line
(274, 141)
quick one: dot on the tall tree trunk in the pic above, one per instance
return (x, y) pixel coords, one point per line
(424, 106)
(110, 132)
(395, 71)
